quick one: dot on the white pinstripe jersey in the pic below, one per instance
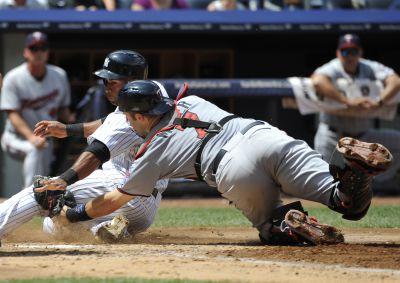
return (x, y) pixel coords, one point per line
(120, 139)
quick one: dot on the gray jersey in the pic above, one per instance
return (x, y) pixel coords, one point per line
(171, 153)
(36, 100)
(367, 70)
(121, 140)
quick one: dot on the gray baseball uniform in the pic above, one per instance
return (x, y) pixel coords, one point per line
(36, 101)
(257, 164)
(332, 127)
(121, 141)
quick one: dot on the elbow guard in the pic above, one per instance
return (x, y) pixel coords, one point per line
(100, 150)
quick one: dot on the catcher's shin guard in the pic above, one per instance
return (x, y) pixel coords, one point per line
(353, 165)
(115, 231)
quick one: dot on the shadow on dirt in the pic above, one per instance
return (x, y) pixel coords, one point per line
(45, 253)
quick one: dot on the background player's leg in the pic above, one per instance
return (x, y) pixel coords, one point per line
(388, 180)
(325, 141)
(35, 161)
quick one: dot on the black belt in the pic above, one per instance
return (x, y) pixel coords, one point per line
(345, 134)
(210, 128)
(222, 152)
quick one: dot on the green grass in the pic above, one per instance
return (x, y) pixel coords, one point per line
(200, 217)
(98, 280)
(377, 217)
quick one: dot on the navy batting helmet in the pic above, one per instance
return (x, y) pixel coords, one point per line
(145, 97)
(122, 64)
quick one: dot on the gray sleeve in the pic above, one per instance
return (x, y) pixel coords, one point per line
(381, 71)
(66, 90)
(143, 179)
(145, 172)
(9, 95)
(328, 69)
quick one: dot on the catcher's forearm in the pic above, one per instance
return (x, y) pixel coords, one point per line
(106, 203)
(98, 207)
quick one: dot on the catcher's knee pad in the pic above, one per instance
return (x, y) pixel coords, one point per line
(353, 165)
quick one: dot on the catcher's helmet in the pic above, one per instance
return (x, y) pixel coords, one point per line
(122, 64)
(145, 97)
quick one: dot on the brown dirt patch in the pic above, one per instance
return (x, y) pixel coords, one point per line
(234, 254)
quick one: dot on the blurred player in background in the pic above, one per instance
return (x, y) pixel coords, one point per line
(32, 92)
(350, 66)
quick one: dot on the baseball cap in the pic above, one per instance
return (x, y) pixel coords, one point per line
(36, 38)
(349, 41)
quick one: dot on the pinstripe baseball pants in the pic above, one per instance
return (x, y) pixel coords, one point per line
(140, 211)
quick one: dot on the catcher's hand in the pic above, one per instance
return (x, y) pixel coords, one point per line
(52, 200)
(46, 129)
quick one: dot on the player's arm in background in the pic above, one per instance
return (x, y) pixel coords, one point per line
(59, 130)
(11, 104)
(64, 113)
(390, 79)
(392, 87)
(324, 87)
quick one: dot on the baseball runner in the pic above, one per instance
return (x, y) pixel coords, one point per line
(114, 141)
(250, 162)
(350, 67)
(32, 92)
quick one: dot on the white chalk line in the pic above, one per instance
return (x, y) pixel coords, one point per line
(303, 264)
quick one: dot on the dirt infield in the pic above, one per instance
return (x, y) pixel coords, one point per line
(369, 255)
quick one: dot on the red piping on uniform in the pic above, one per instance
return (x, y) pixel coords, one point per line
(144, 146)
(182, 92)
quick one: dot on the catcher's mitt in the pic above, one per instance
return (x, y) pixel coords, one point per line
(53, 201)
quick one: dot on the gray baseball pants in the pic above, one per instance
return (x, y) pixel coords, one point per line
(264, 162)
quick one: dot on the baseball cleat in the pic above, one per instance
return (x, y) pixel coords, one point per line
(311, 230)
(114, 231)
(372, 157)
